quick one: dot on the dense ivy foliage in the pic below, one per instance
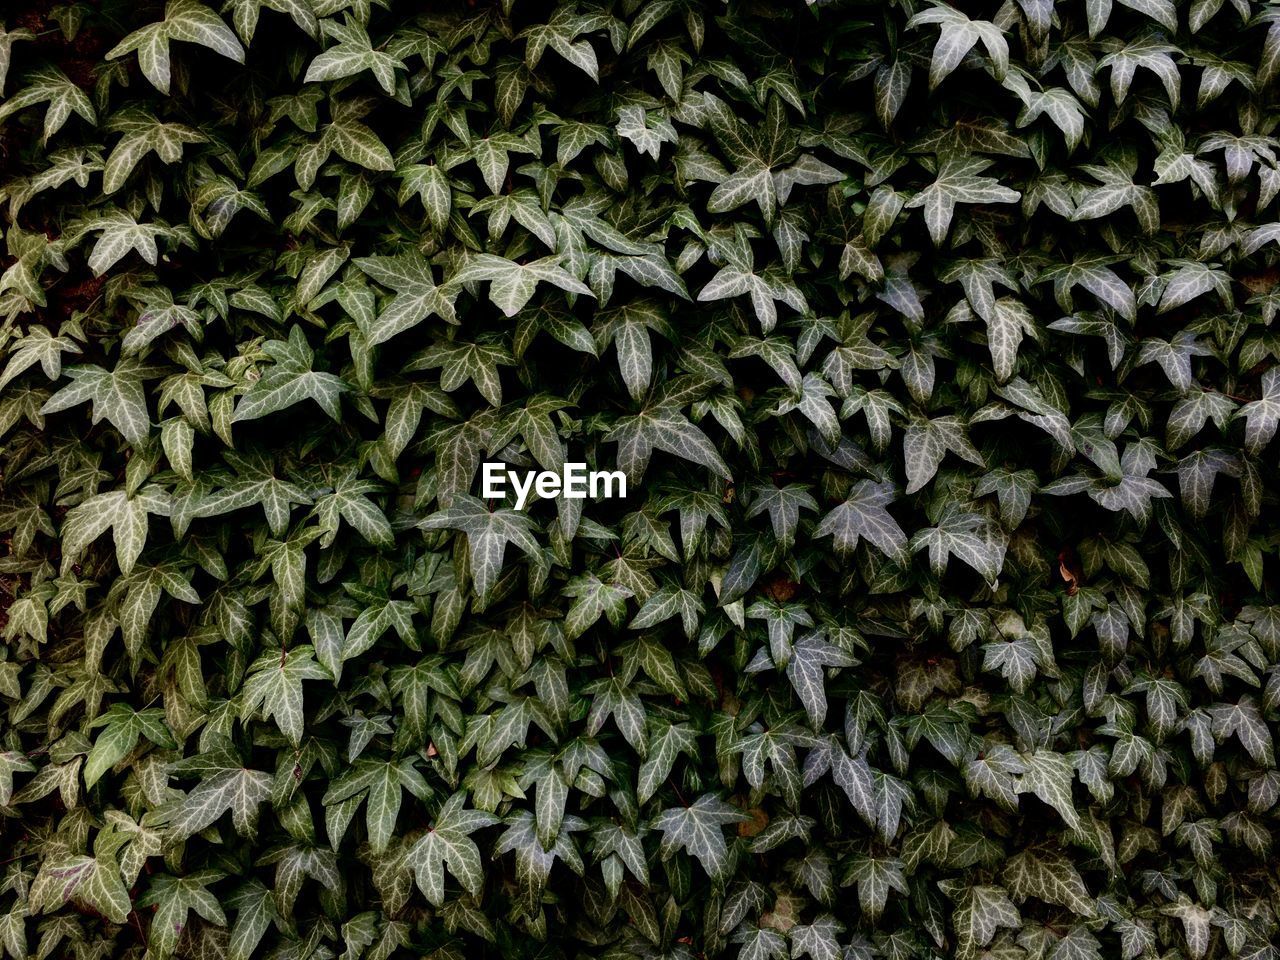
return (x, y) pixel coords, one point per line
(936, 343)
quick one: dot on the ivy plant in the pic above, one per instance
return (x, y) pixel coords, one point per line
(932, 337)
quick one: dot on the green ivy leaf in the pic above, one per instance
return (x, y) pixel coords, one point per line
(448, 844)
(698, 830)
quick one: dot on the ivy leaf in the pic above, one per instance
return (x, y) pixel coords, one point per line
(560, 33)
(274, 688)
(37, 346)
(1015, 659)
(1117, 190)
(1009, 321)
(158, 319)
(246, 21)
(123, 727)
(117, 396)
(981, 911)
(492, 157)
(783, 504)
(11, 763)
(1262, 416)
(1149, 53)
(961, 534)
(666, 603)
(671, 740)
(1061, 107)
(697, 829)
(818, 940)
(1195, 924)
(229, 787)
(448, 844)
(184, 20)
(1162, 11)
(173, 899)
(592, 598)
(1197, 473)
(752, 183)
(46, 85)
(648, 132)
(892, 83)
(957, 36)
(1190, 280)
(460, 362)
(534, 861)
(348, 501)
(1013, 490)
(627, 328)
(1050, 878)
(382, 785)
(417, 297)
(781, 619)
(1048, 775)
(488, 534)
(926, 442)
(289, 380)
(1096, 276)
(992, 775)
(7, 39)
(1245, 721)
(863, 515)
(94, 882)
(813, 402)
(958, 181)
(512, 284)
(760, 943)
(805, 670)
(1189, 415)
(351, 55)
(431, 184)
(665, 428)
(875, 877)
(1174, 357)
(142, 133)
(854, 776)
(124, 515)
